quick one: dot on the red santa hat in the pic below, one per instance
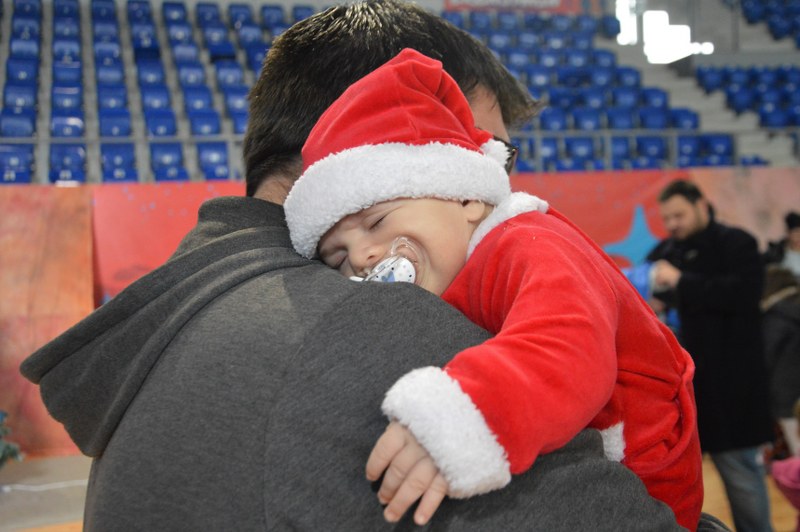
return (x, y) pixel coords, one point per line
(403, 131)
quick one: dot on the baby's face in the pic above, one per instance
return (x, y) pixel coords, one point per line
(441, 228)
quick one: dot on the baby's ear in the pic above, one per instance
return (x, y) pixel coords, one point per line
(475, 210)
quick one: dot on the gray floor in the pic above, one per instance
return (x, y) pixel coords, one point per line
(44, 491)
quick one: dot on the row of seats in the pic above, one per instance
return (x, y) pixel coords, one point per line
(781, 16)
(67, 162)
(616, 118)
(481, 22)
(773, 93)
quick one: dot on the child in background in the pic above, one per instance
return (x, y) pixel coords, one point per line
(396, 167)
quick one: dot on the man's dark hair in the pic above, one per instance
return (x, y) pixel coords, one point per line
(314, 61)
(681, 187)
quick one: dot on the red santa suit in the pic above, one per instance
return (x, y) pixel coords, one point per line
(575, 345)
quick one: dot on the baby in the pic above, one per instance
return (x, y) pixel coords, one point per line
(395, 167)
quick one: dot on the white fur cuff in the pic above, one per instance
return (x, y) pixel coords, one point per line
(449, 426)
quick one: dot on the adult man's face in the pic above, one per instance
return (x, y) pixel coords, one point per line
(683, 218)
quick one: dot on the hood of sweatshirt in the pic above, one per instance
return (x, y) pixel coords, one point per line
(90, 374)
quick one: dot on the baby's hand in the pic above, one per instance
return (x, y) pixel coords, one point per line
(410, 474)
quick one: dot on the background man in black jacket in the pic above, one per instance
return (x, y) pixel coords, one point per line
(714, 276)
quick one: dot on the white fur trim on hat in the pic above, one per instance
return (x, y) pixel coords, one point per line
(515, 204)
(450, 427)
(355, 179)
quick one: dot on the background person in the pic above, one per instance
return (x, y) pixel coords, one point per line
(786, 252)
(714, 276)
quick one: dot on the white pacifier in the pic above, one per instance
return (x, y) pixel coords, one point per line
(403, 264)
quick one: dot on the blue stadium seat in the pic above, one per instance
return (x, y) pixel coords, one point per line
(104, 10)
(191, 73)
(528, 40)
(772, 117)
(655, 97)
(19, 95)
(240, 14)
(301, 12)
(480, 20)
(583, 40)
(272, 15)
(204, 122)
(165, 155)
(580, 147)
(548, 151)
(221, 51)
(184, 52)
(740, 99)
(160, 122)
(107, 50)
(155, 97)
(625, 96)
(651, 146)
(556, 39)
(737, 75)
(197, 97)
(586, 23)
(117, 156)
(239, 120)
(67, 96)
(604, 58)
(24, 48)
(66, 123)
(215, 33)
(499, 41)
(207, 13)
(533, 21)
(550, 58)
(539, 76)
(570, 164)
(654, 118)
(17, 122)
(235, 99)
(67, 162)
(718, 144)
(22, 70)
(173, 11)
(601, 77)
(110, 73)
(456, 18)
(16, 157)
(594, 97)
(718, 160)
(179, 33)
(67, 72)
(560, 22)
(577, 58)
(229, 73)
(684, 118)
(105, 30)
(570, 76)
(620, 118)
(114, 122)
(112, 97)
(688, 145)
(508, 21)
(255, 56)
(150, 72)
(628, 76)
(645, 163)
(250, 34)
(212, 158)
(553, 119)
(518, 59)
(66, 50)
(171, 173)
(620, 148)
(586, 118)
(609, 26)
(26, 27)
(563, 97)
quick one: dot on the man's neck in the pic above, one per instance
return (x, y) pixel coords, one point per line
(274, 190)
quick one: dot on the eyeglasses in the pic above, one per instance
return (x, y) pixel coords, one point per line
(513, 153)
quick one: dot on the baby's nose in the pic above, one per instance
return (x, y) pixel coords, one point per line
(366, 258)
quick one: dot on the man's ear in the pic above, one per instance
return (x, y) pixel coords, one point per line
(476, 211)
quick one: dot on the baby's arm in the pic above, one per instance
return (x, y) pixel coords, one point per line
(408, 474)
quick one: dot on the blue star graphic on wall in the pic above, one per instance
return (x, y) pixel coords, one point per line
(638, 242)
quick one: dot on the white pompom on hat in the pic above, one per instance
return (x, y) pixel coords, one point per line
(403, 131)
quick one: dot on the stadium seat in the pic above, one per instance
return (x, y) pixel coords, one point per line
(229, 73)
(499, 41)
(179, 33)
(184, 52)
(651, 146)
(654, 118)
(620, 118)
(507, 21)
(112, 96)
(548, 151)
(580, 147)
(212, 158)
(628, 76)
(563, 97)
(684, 118)
(620, 148)
(301, 12)
(160, 122)
(66, 50)
(239, 120)
(171, 173)
(165, 155)
(221, 51)
(207, 13)
(150, 72)
(204, 122)
(173, 11)
(249, 35)
(117, 156)
(22, 70)
(625, 97)
(240, 14)
(740, 99)
(655, 97)
(66, 123)
(67, 72)
(604, 58)
(107, 50)
(570, 164)
(114, 122)
(539, 76)
(24, 48)
(772, 117)
(67, 96)
(16, 157)
(645, 163)
(688, 145)
(553, 119)
(255, 56)
(67, 162)
(609, 26)
(235, 99)
(155, 97)
(456, 18)
(550, 58)
(594, 97)
(577, 58)
(717, 144)
(110, 74)
(480, 20)
(601, 77)
(569, 76)
(528, 40)
(586, 118)
(19, 95)
(191, 73)
(197, 97)
(272, 15)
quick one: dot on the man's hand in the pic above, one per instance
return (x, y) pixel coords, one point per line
(410, 473)
(665, 275)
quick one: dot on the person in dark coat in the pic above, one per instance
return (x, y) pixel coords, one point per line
(786, 252)
(714, 276)
(781, 322)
